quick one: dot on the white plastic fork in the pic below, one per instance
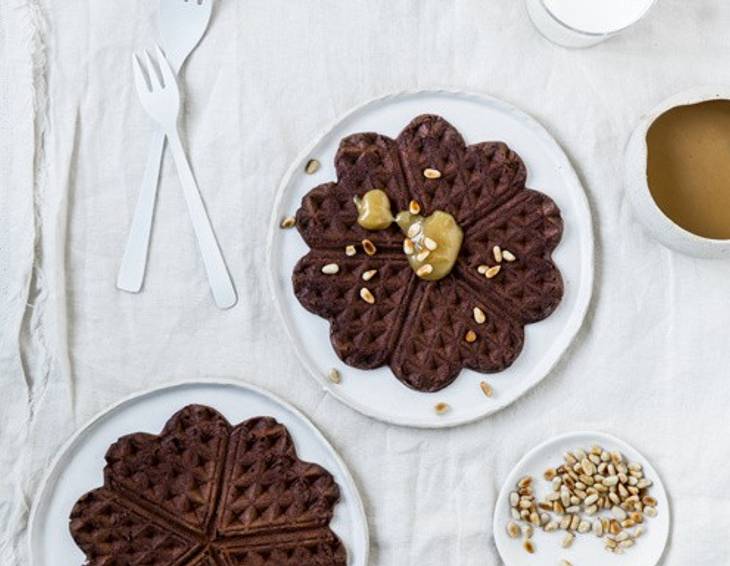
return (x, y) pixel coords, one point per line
(160, 97)
(182, 25)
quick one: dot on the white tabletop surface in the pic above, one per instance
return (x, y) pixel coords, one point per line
(650, 365)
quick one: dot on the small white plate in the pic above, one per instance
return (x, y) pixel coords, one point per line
(377, 392)
(78, 468)
(586, 549)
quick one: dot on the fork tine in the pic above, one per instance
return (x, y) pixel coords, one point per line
(155, 80)
(139, 75)
(167, 74)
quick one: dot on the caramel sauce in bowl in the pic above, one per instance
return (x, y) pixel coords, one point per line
(677, 172)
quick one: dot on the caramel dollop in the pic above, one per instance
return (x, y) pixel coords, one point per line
(373, 210)
(434, 245)
(432, 242)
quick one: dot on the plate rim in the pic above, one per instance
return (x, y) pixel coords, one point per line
(587, 255)
(622, 444)
(75, 437)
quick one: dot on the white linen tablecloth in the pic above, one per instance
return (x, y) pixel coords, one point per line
(650, 365)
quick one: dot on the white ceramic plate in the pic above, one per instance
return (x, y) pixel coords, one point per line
(79, 466)
(587, 549)
(378, 393)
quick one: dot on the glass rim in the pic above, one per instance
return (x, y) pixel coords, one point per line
(560, 22)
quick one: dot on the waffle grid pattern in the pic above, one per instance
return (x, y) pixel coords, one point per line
(205, 493)
(414, 326)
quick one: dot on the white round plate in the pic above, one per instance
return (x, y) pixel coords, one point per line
(79, 466)
(377, 392)
(586, 549)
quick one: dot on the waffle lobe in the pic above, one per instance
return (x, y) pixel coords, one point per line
(206, 493)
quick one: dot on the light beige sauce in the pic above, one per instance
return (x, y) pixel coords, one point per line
(373, 210)
(432, 244)
(688, 167)
(436, 243)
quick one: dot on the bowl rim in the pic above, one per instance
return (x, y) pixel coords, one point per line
(635, 178)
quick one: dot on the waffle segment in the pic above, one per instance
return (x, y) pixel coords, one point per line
(204, 493)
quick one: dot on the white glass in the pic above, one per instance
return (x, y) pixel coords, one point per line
(582, 23)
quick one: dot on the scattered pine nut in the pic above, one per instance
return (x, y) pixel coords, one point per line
(288, 222)
(334, 376)
(508, 256)
(482, 269)
(430, 243)
(479, 316)
(492, 271)
(331, 269)
(369, 274)
(486, 389)
(408, 247)
(312, 167)
(529, 546)
(471, 337)
(414, 208)
(442, 408)
(369, 247)
(432, 173)
(497, 252)
(350, 251)
(367, 296)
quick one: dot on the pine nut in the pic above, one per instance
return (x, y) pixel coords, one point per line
(312, 167)
(288, 222)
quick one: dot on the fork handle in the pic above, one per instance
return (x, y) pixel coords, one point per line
(134, 260)
(220, 281)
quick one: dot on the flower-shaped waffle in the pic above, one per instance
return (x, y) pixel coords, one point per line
(380, 311)
(205, 493)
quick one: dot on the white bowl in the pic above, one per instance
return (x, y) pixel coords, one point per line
(659, 224)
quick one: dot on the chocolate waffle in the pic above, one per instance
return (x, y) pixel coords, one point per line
(418, 327)
(205, 493)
